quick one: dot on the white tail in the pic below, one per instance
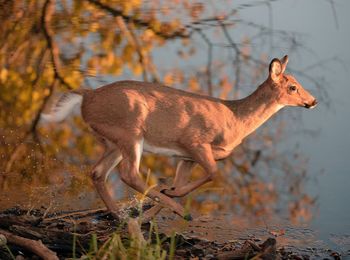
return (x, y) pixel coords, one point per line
(130, 117)
(63, 107)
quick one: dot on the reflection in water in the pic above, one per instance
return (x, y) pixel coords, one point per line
(48, 48)
(223, 228)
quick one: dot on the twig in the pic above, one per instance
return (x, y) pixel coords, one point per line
(209, 61)
(74, 214)
(334, 13)
(37, 247)
(237, 61)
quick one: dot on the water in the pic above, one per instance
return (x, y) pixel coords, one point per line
(326, 36)
(329, 150)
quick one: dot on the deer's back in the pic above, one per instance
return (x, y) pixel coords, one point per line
(162, 115)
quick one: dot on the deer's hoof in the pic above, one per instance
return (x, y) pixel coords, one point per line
(116, 216)
(188, 217)
(172, 192)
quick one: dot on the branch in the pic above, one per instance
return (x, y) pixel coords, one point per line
(37, 117)
(334, 13)
(237, 61)
(37, 247)
(144, 58)
(32, 131)
(180, 33)
(209, 62)
(130, 35)
(54, 51)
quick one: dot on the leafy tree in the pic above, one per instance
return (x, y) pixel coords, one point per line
(49, 47)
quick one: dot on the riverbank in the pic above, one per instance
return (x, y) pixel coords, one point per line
(93, 233)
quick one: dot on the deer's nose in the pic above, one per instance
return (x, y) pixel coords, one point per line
(312, 104)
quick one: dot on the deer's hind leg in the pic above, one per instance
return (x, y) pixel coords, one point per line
(129, 173)
(99, 174)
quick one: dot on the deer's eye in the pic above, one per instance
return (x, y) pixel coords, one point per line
(292, 88)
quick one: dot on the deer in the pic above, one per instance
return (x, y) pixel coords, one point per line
(132, 117)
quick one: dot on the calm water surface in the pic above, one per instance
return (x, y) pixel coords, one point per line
(326, 36)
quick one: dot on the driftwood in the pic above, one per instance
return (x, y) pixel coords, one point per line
(57, 231)
(37, 247)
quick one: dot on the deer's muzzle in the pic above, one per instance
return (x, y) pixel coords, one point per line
(311, 105)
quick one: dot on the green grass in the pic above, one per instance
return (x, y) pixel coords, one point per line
(10, 252)
(132, 247)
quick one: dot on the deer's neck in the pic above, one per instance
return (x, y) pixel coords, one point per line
(252, 111)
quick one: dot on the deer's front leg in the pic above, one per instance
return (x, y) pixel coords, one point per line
(182, 176)
(202, 154)
(99, 175)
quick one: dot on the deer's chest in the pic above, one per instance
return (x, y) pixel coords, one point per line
(223, 146)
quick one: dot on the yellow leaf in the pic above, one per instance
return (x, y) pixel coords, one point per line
(3, 75)
(168, 79)
(35, 95)
(137, 69)
(193, 84)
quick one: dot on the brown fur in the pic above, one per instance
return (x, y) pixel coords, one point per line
(129, 115)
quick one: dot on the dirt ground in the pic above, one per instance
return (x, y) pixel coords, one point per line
(202, 238)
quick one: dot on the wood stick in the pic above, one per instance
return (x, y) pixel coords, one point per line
(37, 247)
(76, 213)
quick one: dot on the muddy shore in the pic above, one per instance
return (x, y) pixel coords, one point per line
(201, 238)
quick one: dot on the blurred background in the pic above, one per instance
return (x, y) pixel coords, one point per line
(295, 167)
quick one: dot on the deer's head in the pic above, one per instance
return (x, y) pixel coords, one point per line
(289, 90)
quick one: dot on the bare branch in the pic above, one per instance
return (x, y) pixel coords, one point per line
(334, 13)
(19, 149)
(209, 62)
(237, 61)
(54, 51)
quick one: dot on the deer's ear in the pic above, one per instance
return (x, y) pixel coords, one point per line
(275, 69)
(284, 62)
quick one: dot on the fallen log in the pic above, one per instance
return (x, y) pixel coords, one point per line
(37, 247)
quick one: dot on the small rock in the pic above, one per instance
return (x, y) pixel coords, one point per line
(335, 255)
(305, 257)
(197, 252)
(3, 240)
(182, 253)
(295, 257)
